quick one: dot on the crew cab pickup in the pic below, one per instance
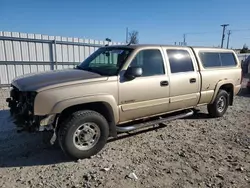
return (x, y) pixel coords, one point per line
(122, 88)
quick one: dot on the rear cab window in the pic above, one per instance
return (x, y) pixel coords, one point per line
(217, 59)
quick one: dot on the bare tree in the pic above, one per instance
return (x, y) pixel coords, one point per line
(133, 37)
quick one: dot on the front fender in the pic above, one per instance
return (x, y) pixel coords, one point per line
(218, 86)
(61, 105)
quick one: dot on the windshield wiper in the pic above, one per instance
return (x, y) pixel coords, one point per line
(78, 67)
(95, 71)
(90, 69)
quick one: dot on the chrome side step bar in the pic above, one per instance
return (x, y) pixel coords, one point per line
(150, 123)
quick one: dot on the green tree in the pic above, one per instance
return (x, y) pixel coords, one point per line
(244, 49)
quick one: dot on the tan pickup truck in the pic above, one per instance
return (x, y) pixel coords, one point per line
(121, 89)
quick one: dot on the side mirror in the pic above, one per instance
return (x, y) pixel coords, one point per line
(133, 72)
(107, 54)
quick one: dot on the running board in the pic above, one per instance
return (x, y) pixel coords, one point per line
(150, 123)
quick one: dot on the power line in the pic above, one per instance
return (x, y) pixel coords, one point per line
(201, 33)
(240, 30)
(216, 31)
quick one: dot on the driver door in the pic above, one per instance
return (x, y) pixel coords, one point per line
(146, 95)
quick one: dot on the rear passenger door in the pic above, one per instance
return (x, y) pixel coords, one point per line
(184, 78)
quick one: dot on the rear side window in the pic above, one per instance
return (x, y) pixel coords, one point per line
(227, 59)
(180, 61)
(210, 59)
(216, 59)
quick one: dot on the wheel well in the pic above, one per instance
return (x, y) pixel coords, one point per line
(229, 88)
(101, 107)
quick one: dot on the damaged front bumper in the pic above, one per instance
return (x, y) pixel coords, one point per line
(21, 106)
(48, 123)
(39, 123)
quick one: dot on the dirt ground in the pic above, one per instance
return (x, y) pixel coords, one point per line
(192, 152)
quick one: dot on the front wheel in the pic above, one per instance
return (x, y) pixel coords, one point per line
(220, 104)
(84, 134)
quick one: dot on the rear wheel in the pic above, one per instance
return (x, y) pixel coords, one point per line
(84, 134)
(220, 104)
(248, 88)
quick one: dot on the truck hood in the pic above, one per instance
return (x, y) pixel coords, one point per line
(37, 81)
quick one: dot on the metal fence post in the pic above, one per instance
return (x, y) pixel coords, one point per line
(55, 53)
(51, 56)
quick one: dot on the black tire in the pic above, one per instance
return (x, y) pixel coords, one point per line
(214, 110)
(248, 89)
(67, 131)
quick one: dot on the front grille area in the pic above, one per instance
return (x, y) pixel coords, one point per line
(21, 106)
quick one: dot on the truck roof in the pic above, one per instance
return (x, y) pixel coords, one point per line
(134, 46)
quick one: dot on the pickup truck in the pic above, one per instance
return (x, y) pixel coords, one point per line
(123, 88)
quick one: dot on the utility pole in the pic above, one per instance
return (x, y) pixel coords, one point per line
(184, 39)
(228, 37)
(127, 35)
(223, 33)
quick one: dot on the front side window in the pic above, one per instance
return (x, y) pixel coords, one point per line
(180, 61)
(106, 61)
(151, 62)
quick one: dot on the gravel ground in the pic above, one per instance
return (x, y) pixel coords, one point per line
(191, 152)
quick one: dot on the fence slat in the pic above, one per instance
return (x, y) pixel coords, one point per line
(71, 53)
(17, 51)
(76, 50)
(86, 49)
(40, 68)
(32, 51)
(91, 49)
(39, 48)
(3, 75)
(11, 72)
(64, 53)
(2, 51)
(19, 70)
(9, 51)
(33, 68)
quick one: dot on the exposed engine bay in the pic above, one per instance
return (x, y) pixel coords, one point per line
(21, 104)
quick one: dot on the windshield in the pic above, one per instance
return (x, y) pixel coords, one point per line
(106, 60)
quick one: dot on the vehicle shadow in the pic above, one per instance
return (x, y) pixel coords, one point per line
(130, 134)
(244, 92)
(25, 149)
(199, 115)
(30, 149)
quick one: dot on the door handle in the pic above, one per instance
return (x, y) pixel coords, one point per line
(164, 83)
(192, 80)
